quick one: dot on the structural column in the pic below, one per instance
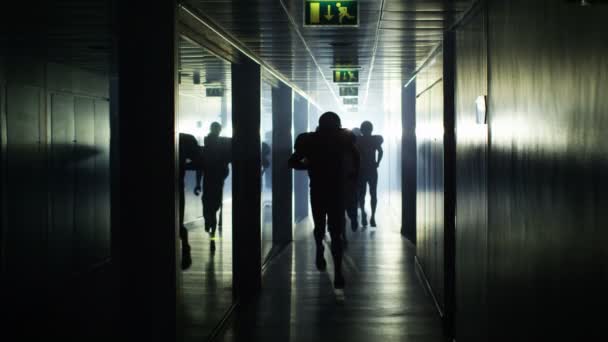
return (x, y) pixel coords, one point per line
(408, 160)
(300, 179)
(144, 182)
(282, 176)
(246, 178)
(449, 172)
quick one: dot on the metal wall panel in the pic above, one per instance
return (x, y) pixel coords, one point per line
(61, 183)
(44, 53)
(471, 182)
(282, 145)
(3, 167)
(408, 160)
(26, 195)
(84, 160)
(548, 261)
(300, 178)
(429, 176)
(101, 235)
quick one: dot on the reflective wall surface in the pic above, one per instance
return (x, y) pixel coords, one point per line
(301, 110)
(547, 168)
(471, 177)
(390, 183)
(530, 246)
(429, 174)
(266, 172)
(204, 109)
(55, 71)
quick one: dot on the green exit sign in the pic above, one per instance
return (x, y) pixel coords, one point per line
(351, 101)
(214, 92)
(346, 76)
(331, 13)
(349, 91)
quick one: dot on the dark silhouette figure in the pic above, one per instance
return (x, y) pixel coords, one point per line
(368, 144)
(189, 159)
(217, 153)
(352, 204)
(331, 158)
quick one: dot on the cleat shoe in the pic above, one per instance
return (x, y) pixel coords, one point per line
(339, 281)
(186, 258)
(320, 262)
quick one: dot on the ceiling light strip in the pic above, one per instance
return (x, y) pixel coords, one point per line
(295, 27)
(464, 15)
(373, 61)
(424, 63)
(244, 50)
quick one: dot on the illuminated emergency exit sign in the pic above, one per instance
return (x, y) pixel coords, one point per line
(331, 13)
(214, 92)
(349, 91)
(351, 101)
(346, 76)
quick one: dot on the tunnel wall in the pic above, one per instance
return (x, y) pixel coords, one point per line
(429, 175)
(547, 240)
(531, 238)
(56, 175)
(471, 178)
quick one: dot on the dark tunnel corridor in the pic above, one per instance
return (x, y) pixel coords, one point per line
(303, 170)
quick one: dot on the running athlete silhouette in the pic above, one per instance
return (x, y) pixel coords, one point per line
(189, 159)
(331, 158)
(368, 144)
(217, 153)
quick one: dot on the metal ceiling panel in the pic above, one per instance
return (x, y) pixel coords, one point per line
(392, 39)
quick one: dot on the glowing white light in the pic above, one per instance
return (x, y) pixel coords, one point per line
(430, 132)
(395, 131)
(471, 131)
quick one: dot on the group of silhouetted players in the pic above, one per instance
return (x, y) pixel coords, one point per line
(340, 164)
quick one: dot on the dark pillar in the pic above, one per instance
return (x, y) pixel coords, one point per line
(300, 178)
(246, 178)
(408, 160)
(282, 176)
(449, 172)
(145, 183)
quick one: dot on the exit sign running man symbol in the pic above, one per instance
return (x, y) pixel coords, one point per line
(331, 13)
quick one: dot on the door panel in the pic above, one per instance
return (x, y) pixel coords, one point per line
(102, 180)
(61, 233)
(26, 196)
(85, 191)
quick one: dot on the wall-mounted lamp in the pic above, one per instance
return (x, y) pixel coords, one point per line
(481, 110)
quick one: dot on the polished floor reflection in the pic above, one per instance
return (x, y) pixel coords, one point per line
(207, 284)
(383, 299)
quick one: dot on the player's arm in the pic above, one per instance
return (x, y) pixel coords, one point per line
(356, 159)
(298, 160)
(380, 150)
(199, 172)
